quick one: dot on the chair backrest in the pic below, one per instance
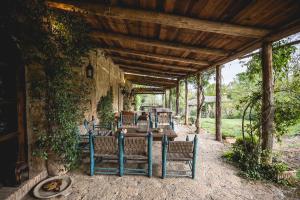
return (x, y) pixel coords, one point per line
(128, 119)
(180, 147)
(135, 146)
(102, 130)
(105, 145)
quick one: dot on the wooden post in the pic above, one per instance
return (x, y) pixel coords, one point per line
(218, 103)
(186, 103)
(199, 91)
(166, 102)
(177, 98)
(170, 99)
(267, 115)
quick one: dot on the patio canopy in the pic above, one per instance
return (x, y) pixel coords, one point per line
(174, 39)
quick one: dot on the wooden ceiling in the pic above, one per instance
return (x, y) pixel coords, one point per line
(175, 38)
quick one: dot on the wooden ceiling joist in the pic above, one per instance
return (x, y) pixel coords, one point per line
(159, 75)
(146, 69)
(138, 78)
(158, 65)
(148, 90)
(180, 22)
(157, 56)
(157, 43)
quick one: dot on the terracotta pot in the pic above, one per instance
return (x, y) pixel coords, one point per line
(55, 166)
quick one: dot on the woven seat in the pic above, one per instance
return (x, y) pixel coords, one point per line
(105, 145)
(180, 156)
(184, 151)
(135, 146)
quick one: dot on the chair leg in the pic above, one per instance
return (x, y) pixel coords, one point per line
(164, 156)
(121, 154)
(92, 158)
(195, 152)
(150, 139)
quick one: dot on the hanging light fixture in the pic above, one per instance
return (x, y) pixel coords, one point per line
(90, 71)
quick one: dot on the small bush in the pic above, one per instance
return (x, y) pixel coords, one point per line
(245, 154)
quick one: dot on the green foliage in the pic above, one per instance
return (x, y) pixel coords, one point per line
(245, 154)
(55, 40)
(105, 110)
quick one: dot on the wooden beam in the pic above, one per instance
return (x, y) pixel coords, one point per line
(157, 56)
(153, 64)
(176, 21)
(198, 110)
(146, 79)
(290, 28)
(142, 73)
(147, 69)
(186, 121)
(166, 102)
(96, 35)
(170, 99)
(218, 103)
(177, 98)
(267, 115)
(148, 91)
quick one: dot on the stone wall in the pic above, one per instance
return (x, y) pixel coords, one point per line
(106, 75)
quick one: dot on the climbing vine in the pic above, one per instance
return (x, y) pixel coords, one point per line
(105, 110)
(56, 41)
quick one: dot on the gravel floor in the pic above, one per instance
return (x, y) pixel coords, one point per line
(215, 180)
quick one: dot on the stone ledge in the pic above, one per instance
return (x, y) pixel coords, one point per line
(11, 193)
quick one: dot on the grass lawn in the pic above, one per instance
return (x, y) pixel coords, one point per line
(230, 127)
(233, 127)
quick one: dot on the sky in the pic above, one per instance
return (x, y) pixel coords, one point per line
(231, 69)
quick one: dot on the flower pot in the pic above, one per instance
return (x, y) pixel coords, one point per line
(55, 166)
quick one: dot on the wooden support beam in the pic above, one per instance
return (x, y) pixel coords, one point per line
(267, 114)
(157, 56)
(160, 18)
(148, 91)
(186, 121)
(177, 98)
(142, 73)
(145, 79)
(146, 63)
(218, 103)
(200, 101)
(170, 99)
(96, 35)
(152, 70)
(166, 102)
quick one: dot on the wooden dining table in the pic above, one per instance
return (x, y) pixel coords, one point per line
(157, 136)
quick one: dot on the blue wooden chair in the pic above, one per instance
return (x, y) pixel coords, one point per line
(127, 119)
(164, 120)
(179, 151)
(136, 150)
(104, 149)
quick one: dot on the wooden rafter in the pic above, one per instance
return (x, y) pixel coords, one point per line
(161, 18)
(145, 73)
(148, 91)
(147, 69)
(157, 43)
(150, 80)
(158, 65)
(157, 56)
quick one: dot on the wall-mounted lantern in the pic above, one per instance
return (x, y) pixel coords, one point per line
(89, 71)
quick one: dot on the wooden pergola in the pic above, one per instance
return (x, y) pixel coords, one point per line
(171, 40)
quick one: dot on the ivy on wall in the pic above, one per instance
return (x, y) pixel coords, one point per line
(56, 41)
(105, 110)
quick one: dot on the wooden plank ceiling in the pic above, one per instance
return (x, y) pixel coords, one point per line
(172, 39)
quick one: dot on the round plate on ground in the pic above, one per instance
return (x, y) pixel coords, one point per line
(64, 189)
